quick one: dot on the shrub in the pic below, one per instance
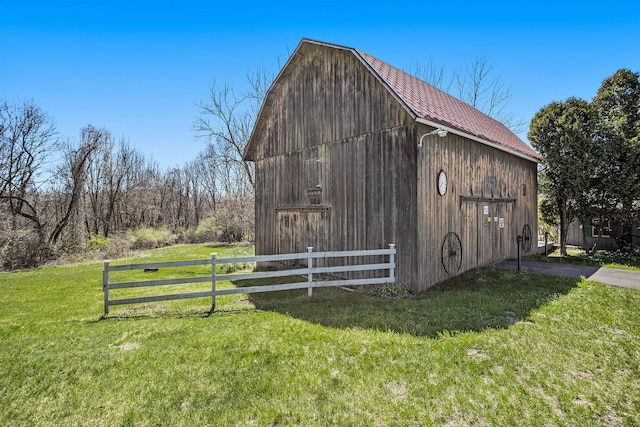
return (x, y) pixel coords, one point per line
(117, 246)
(233, 220)
(205, 232)
(232, 268)
(23, 250)
(388, 290)
(97, 242)
(150, 238)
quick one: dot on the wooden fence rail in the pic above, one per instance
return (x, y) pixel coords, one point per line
(213, 278)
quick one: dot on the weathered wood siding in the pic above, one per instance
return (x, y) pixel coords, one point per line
(326, 95)
(338, 168)
(336, 131)
(479, 176)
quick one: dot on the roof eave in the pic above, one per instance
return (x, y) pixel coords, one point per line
(478, 139)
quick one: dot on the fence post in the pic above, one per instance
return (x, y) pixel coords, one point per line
(546, 243)
(213, 281)
(519, 239)
(105, 286)
(392, 261)
(310, 275)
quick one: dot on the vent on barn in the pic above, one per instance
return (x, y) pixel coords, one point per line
(314, 196)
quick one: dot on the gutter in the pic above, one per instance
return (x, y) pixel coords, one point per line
(478, 139)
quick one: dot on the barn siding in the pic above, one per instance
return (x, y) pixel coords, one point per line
(368, 198)
(332, 125)
(327, 95)
(475, 170)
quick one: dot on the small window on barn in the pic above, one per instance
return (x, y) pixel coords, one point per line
(314, 196)
(524, 189)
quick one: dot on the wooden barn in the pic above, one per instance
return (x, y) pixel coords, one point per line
(352, 153)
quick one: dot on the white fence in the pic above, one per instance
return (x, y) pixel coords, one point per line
(309, 271)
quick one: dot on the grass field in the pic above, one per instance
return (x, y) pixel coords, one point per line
(490, 347)
(611, 259)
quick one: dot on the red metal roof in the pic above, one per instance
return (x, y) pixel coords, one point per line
(434, 105)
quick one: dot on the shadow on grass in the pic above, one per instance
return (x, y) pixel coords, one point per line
(477, 300)
(150, 311)
(159, 312)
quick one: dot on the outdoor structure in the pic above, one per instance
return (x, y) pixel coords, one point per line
(607, 241)
(352, 153)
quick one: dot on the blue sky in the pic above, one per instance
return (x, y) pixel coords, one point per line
(138, 68)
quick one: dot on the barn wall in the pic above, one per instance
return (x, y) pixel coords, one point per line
(367, 200)
(325, 95)
(335, 134)
(479, 176)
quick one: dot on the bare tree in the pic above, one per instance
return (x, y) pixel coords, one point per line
(260, 81)
(151, 210)
(476, 85)
(138, 206)
(96, 182)
(209, 176)
(226, 124)
(194, 173)
(174, 199)
(74, 172)
(115, 184)
(433, 74)
(118, 167)
(28, 139)
(41, 202)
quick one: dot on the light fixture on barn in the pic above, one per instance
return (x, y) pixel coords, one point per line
(440, 132)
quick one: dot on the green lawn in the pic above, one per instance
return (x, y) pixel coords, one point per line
(611, 259)
(488, 348)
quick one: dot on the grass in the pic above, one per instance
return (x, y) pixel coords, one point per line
(487, 348)
(610, 259)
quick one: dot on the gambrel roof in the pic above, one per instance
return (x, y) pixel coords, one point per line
(426, 104)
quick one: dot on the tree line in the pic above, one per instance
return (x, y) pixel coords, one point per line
(57, 196)
(591, 170)
(64, 196)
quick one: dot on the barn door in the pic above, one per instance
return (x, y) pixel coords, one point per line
(298, 229)
(499, 232)
(287, 232)
(493, 219)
